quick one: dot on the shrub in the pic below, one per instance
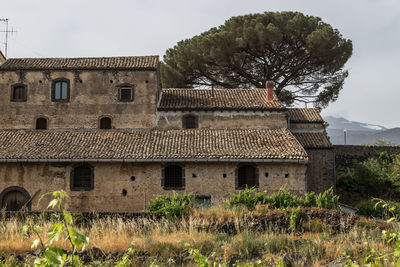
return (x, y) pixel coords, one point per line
(248, 198)
(174, 207)
(294, 219)
(282, 199)
(328, 200)
(310, 200)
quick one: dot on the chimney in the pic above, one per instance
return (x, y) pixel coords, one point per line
(270, 91)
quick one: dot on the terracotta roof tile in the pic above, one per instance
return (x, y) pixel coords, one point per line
(310, 115)
(142, 62)
(224, 99)
(313, 139)
(150, 144)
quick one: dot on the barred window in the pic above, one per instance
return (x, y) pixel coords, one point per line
(82, 178)
(189, 122)
(18, 93)
(126, 93)
(173, 177)
(246, 177)
(41, 123)
(105, 123)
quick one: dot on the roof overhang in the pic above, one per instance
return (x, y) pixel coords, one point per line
(299, 161)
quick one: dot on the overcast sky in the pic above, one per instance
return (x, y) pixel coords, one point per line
(85, 28)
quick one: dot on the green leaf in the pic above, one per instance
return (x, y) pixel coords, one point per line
(35, 243)
(78, 239)
(53, 203)
(54, 232)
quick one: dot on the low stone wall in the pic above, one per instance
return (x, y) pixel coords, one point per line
(347, 156)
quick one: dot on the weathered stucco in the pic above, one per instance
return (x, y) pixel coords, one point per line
(224, 119)
(92, 95)
(110, 179)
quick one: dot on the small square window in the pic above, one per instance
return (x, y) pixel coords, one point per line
(126, 94)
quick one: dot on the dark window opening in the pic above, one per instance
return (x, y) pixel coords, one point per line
(203, 201)
(126, 94)
(105, 123)
(194, 175)
(224, 175)
(18, 93)
(287, 175)
(266, 175)
(15, 198)
(82, 178)
(41, 123)
(189, 122)
(133, 178)
(173, 177)
(60, 90)
(246, 177)
(124, 192)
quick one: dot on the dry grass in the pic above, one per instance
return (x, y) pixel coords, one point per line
(168, 239)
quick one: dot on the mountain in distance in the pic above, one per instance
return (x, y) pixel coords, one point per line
(359, 133)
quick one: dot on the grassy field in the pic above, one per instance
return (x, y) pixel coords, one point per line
(263, 237)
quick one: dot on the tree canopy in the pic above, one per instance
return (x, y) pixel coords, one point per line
(303, 55)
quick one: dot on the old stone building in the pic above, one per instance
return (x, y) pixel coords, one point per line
(103, 130)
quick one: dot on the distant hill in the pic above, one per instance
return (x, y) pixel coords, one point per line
(359, 133)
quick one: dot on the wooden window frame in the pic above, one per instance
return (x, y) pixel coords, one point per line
(237, 187)
(163, 177)
(13, 95)
(196, 121)
(126, 86)
(72, 177)
(53, 90)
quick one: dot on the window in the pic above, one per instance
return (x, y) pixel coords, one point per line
(82, 177)
(15, 198)
(189, 122)
(60, 90)
(173, 177)
(41, 123)
(126, 93)
(105, 123)
(203, 201)
(246, 176)
(18, 93)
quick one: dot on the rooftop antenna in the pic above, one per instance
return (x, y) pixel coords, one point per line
(7, 31)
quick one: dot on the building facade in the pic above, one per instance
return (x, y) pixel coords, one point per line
(103, 130)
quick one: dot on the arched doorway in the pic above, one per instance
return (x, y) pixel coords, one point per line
(14, 198)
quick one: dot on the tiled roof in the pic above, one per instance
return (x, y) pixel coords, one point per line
(310, 115)
(313, 139)
(224, 99)
(102, 63)
(154, 145)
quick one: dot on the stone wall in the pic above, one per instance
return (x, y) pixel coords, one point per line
(93, 94)
(224, 119)
(348, 156)
(321, 169)
(142, 182)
